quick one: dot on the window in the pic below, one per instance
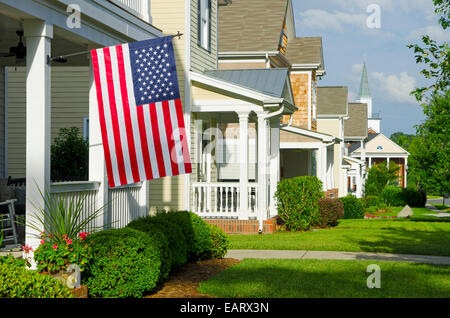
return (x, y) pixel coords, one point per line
(204, 25)
(86, 128)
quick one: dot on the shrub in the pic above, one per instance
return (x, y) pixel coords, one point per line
(18, 282)
(372, 209)
(392, 196)
(413, 197)
(196, 231)
(353, 208)
(372, 200)
(297, 201)
(220, 242)
(176, 240)
(330, 210)
(126, 263)
(69, 155)
(161, 241)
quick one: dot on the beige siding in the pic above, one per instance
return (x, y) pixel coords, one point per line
(201, 59)
(169, 15)
(2, 121)
(241, 65)
(70, 104)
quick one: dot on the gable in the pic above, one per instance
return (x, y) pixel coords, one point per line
(382, 144)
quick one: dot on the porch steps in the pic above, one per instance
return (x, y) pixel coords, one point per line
(234, 226)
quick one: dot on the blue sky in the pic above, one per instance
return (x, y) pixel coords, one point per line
(348, 41)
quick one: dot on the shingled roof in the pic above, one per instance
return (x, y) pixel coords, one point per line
(251, 25)
(332, 100)
(356, 125)
(305, 50)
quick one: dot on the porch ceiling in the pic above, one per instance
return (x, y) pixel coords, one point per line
(62, 43)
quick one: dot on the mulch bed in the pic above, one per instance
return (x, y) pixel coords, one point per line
(184, 282)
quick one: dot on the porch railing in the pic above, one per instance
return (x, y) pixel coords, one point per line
(75, 190)
(222, 199)
(140, 8)
(122, 205)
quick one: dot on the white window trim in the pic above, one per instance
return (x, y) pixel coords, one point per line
(205, 24)
(85, 128)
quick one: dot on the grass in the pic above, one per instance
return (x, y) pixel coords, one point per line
(421, 235)
(275, 278)
(441, 207)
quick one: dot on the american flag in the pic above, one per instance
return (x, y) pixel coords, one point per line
(141, 116)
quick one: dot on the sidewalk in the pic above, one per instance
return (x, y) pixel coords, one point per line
(330, 255)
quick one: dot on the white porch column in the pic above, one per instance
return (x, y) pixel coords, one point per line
(263, 174)
(274, 163)
(322, 166)
(243, 165)
(97, 164)
(370, 162)
(405, 164)
(38, 36)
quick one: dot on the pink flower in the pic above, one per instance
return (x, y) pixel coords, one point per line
(69, 241)
(27, 248)
(64, 236)
(83, 235)
(42, 241)
(55, 247)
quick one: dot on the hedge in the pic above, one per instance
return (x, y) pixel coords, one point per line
(173, 235)
(196, 231)
(18, 282)
(330, 211)
(220, 242)
(353, 207)
(297, 201)
(127, 263)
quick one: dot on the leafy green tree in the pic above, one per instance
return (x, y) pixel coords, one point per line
(381, 175)
(430, 152)
(402, 139)
(436, 56)
(69, 156)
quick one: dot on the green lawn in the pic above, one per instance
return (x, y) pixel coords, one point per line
(421, 234)
(274, 278)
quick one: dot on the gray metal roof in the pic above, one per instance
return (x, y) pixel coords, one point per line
(267, 81)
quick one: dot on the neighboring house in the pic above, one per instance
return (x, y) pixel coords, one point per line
(269, 42)
(39, 96)
(233, 121)
(355, 133)
(378, 148)
(332, 110)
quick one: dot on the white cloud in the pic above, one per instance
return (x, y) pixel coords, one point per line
(395, 87)
(324, 20)
(352, 97)
(357, 69)
(434, 31)
(385, 5)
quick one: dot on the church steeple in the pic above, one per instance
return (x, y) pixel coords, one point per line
(364, 90)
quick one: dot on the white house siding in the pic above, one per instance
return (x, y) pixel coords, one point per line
(2, 121)
(169, 16)
(201, 59)
(70, 104)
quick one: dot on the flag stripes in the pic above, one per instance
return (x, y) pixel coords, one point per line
(141, 142)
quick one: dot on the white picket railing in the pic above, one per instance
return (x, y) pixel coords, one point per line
(140, 8)
(72, 191)
(221, 199)
(122, 205)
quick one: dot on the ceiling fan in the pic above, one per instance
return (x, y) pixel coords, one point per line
(19, 51)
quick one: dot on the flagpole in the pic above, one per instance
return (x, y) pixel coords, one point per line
(63, 58)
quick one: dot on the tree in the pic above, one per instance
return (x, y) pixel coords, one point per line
(69, 156)
(403, 140)
(430, 152)
(381, 175)
(435, 56)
